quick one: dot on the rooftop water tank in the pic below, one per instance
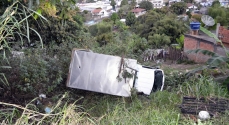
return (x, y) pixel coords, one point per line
(195, 25)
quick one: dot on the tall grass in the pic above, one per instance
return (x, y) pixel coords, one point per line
(160, 108)
(63, 113)
(204, 86)
(14, 23)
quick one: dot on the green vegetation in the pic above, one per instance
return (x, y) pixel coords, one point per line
(113, 3)
(123, 11)
(178, 7)
(47, 36)
(124, 2)
(114, 17)
(146, 5)
(220, 14)
(130, 19)
(163, 27)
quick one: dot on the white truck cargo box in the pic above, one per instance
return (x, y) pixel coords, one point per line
(106, 74)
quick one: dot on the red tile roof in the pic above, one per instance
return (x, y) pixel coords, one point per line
(96, 10)
(137, 10)
(189, 4)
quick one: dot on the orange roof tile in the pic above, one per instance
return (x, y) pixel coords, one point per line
(96, 10)
(137, 10)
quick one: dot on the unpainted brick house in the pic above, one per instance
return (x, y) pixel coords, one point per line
(224, 36)
(202, 41)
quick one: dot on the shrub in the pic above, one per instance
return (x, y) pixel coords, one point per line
(189, 14)
(39, 73)
(196, 17)
(106, 19)
(121, 26)
(93, 30)
(104, 38)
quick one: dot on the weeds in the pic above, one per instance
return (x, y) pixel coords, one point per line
(62, 113)
(202, 87)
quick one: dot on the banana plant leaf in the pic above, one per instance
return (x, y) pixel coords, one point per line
(209, 33)
(205, 52)
(214, 60)
(217, 60)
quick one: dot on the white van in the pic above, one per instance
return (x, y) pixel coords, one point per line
(112, 74)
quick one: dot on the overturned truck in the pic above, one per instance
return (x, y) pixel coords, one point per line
(112, 74)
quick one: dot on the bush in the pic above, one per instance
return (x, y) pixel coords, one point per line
(196, 17)
(93, 30)
(104, 38)
(106, 20)
(121, 26)
(189, 14)
(39, 73)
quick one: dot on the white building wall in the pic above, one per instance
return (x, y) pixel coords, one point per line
(157, 3)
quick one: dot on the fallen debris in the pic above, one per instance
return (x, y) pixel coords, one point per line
(204, 115)
(193, 105)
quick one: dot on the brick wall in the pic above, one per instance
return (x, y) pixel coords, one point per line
(224, 36)
(192, 42)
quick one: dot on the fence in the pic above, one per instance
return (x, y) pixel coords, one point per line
(174, 54)
(171, 53)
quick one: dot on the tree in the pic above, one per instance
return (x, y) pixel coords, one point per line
(220, 14)
(104, 34)
(146, 5)
(216, 3)
(114, 17)
(130, 19)
(178, 8)
(133, 3)
(188, 1)
(124, 2)
(158, 23)
(113, 3)
(123, 11)
(157, 40)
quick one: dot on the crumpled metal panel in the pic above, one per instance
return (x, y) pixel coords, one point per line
(98, 73)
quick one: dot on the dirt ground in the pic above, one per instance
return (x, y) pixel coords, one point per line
(182, 66)
(169, 65)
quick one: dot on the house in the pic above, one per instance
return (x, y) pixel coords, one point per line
(173, 1)
(223, 35)
(198, 1)
(197, 40)
(224, 3)
(157, 3)
(138, 11)
(97, 12)
(191, 7)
